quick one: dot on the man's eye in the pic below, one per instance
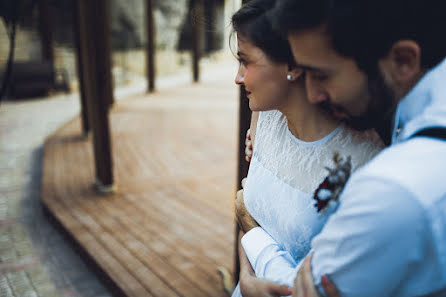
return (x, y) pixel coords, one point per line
(319, 76)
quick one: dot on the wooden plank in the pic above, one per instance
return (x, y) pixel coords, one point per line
(63, 210)
(170, 225)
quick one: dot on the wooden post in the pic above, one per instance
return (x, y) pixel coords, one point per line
(243, 166)
(46, 34)
(93, 19)
(102, 21)
(80, 70)
(150, 50)
(197, 45)
(209, 26)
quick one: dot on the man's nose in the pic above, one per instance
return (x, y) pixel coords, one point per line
(316, 94)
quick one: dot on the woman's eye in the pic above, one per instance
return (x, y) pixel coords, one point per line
(242, 62)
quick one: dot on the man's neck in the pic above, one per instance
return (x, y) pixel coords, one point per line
(384, 129)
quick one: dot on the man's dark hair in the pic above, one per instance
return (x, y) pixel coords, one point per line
(366, 29)
(253, 21)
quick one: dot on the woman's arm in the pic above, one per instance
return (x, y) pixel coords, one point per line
(251, 286)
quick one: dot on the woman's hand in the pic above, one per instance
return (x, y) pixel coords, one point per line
(248, 146)
(244, 218)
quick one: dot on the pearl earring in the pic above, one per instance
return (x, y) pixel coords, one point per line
(289, 77)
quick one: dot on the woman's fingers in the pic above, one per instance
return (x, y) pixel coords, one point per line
(248, 146)
(243, 182)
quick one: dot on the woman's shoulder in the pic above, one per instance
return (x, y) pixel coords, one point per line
(269, 123)
(360, 145)
(270, 115)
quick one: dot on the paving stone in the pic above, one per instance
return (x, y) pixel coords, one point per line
(7, 251)
(41, 282)
(5, 289)
(20, 284)
(13, 204)
(11, 178)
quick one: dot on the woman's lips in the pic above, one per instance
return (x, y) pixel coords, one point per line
(248, 93)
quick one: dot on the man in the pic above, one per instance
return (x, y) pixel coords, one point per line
(375, 64)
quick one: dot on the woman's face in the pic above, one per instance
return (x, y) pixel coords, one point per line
(265, 81)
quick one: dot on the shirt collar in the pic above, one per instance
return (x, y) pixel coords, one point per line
(410, 114)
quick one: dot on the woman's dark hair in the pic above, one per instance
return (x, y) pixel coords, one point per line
(253, 22)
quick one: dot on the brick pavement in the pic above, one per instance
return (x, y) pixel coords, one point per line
(35, 260)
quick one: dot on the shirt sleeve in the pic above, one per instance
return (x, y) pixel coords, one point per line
(368, 246)
(268, 259)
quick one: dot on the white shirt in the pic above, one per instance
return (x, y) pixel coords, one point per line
(388, 236)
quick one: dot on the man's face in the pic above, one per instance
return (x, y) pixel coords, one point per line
(337, 84)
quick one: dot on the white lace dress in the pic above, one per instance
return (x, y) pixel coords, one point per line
(285, 171)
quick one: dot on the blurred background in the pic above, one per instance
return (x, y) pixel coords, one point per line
(121, 148)
(45, 34)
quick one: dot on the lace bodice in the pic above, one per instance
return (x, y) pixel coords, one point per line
(285, 171)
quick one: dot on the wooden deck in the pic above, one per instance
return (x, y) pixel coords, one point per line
(170, 223)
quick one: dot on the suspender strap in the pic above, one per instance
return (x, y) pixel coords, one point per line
(434, 132)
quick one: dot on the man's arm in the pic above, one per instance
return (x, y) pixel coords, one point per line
(371, 239)
(359, 240)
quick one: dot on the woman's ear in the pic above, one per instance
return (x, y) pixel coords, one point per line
(294, 73)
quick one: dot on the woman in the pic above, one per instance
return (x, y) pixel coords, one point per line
(294, 141)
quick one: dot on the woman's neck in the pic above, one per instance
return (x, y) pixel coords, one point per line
(305, 120)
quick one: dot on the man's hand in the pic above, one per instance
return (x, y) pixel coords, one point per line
(244, 218)
(304, 284)
(250, 286)
(248, 146)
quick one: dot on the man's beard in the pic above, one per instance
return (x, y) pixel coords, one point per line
(379, 111)
(381, 105)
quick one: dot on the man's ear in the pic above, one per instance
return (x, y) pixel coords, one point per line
(403, 63)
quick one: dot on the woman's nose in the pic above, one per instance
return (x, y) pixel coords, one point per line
(240, 78)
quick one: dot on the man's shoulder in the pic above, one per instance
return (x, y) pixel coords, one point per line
(417, 166)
